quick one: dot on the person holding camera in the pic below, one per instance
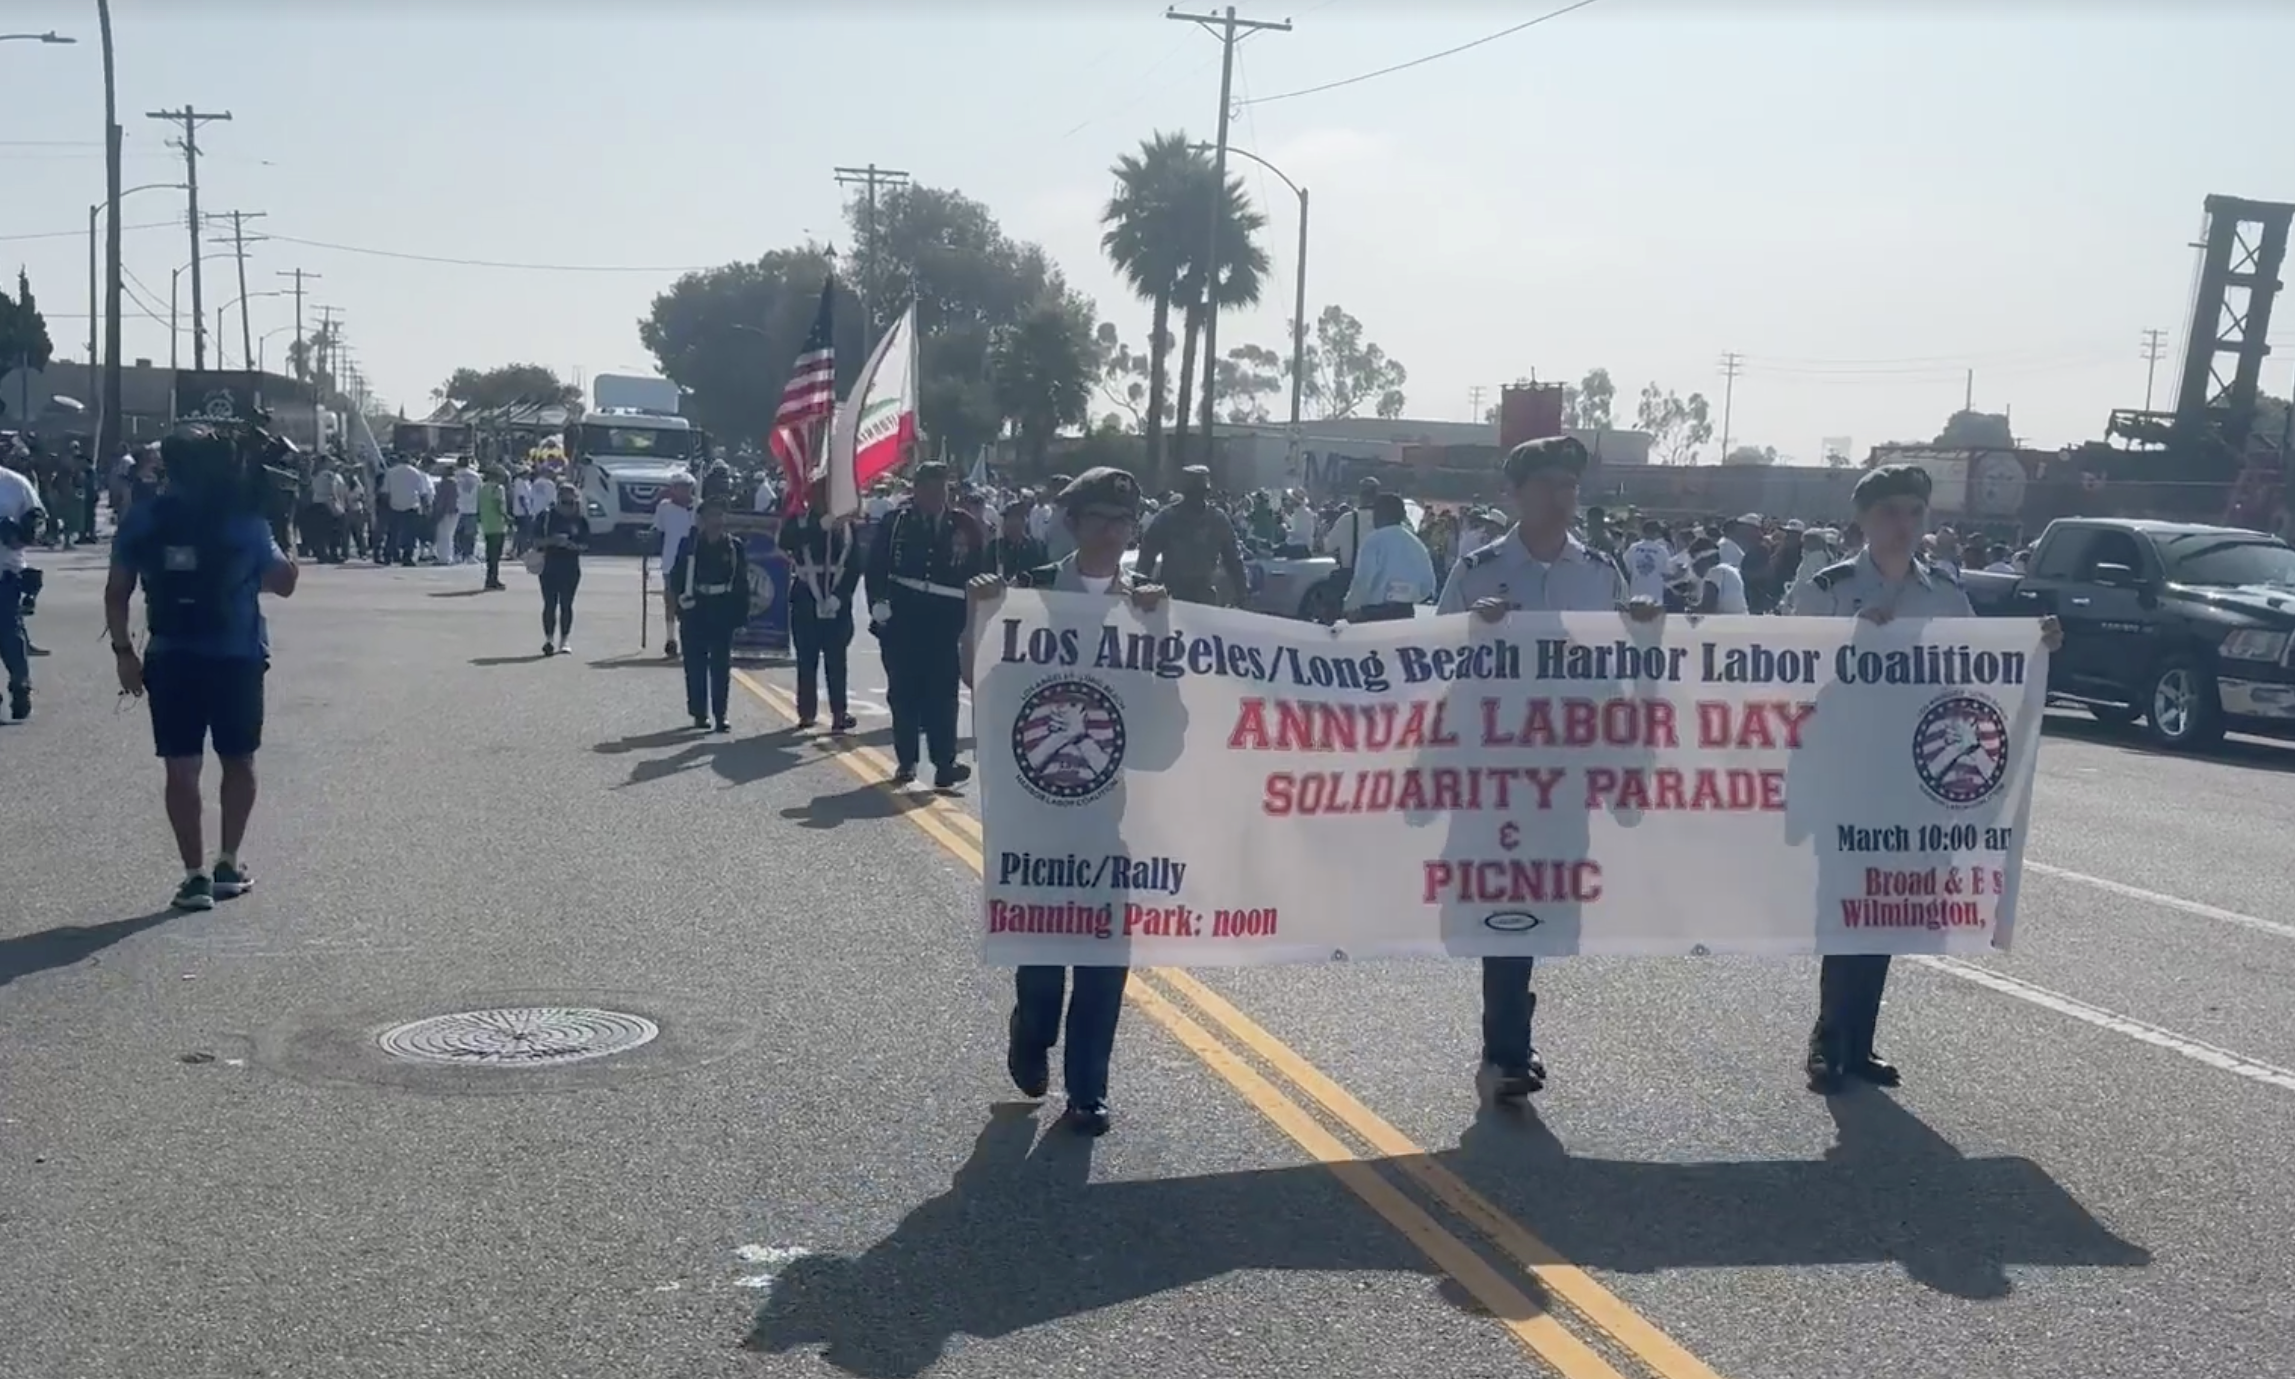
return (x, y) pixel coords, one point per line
(203, 552)
(21, 518)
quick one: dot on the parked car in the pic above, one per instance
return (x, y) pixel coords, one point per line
(2190, 629)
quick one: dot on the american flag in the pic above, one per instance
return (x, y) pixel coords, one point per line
(808, 402)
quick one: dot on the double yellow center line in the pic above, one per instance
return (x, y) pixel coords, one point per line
(1246, 1057)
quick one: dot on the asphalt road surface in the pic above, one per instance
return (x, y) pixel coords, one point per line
(208, 1167)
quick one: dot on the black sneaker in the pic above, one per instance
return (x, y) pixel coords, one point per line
(1503, 1086)
(196, 893)
(19, 702)
(950, 777)
(231, 880)
(549, 648)
(701, 722)
(721, 726)
(669, 649)
(904, 774)
(844, 723)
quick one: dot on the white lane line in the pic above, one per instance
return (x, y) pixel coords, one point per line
(2171, 902)
(2237, 1064)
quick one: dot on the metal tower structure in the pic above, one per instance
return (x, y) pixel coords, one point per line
(2240, 256)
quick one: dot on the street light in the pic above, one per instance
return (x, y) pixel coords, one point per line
(174, 286)
(263, 339)
(1298, 311)
(51, 36)
(219, 313)
(94, 213)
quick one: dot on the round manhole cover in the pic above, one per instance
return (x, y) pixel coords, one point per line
(518, 1037)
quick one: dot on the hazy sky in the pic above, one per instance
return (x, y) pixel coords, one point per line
(1863, 199)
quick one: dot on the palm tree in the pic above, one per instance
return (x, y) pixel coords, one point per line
(1241, 272)
(1142, 239)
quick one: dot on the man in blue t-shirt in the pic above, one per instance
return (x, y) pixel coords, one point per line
(203, 563)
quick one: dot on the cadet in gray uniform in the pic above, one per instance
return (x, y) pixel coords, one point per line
(1537, 566)
(1882, 583)
(1101, 512)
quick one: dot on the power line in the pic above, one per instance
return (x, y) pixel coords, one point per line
(1430, 57)
(490, 263)
(82, 232)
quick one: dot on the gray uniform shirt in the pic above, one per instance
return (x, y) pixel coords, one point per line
(1579, 581)
(1852, 586)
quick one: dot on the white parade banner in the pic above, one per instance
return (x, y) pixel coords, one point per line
(1197, 787)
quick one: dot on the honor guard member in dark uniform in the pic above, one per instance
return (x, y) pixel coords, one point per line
(1537, 566)
(1881, 583)
(1014, 552)
(1101, 509)
(824, 571)
(923, 557)
(710, 578)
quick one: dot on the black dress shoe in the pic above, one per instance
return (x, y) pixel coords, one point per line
(1505, 1085)
(1826, 1063)
(1031, 1067)
(807, 721)
(1876, 1070)
(950, 777)
(904, 775)
(1089, 1118)
(700, 722)
(721, 726)
(844, 723)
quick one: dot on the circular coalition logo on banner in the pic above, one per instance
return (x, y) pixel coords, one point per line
(1960, 750)
(1068, 741)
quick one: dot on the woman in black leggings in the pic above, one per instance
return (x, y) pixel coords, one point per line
(563, 536)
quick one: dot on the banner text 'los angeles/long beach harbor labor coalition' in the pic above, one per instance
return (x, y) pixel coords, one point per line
(1201, 787)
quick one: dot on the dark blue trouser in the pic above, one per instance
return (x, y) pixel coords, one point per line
(12, 655)
(922, 670)
(1849, 989)
(1094, 1007)
(708, 668)
(1507, 1005)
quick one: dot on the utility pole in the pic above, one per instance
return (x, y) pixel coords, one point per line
(2153, 349)
(871, 178)
(1968, 392)
(1229, 31)
(1732, 364)
(190, 119)
(327, 316)
(1474, 402)
(302, 351)
(109, 422)
(239, 221)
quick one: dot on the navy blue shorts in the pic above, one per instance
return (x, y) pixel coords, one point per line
(195, 698)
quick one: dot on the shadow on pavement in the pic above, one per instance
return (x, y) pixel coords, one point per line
(867, 800)
(1022, 1238)
(739, 760)
(651, 660)
(463, 593)
(508, 660)
(1889, 1190)
(68, 944)
(2259, 754)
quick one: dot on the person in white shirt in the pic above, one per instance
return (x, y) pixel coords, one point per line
(466, 511)
(1722, 587)
(531, 498)
(407, 489)
(1393, 571)
(1350, 527)
(446, 515)
(673, 517)
(1734, 535)
(21, 518)
(1645, 562)
(1299, 526)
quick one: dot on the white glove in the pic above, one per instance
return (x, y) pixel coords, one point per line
(880, 612)
(685, 601)
(828, 606)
